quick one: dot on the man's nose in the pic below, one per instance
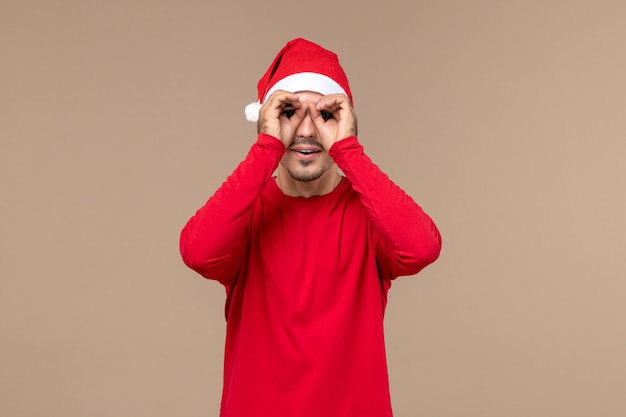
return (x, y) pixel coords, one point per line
(306, 129)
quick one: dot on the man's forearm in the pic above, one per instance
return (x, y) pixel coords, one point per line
(214, 234)
(406, 229)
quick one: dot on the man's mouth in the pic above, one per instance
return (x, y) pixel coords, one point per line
(306, 151)
(303, 149)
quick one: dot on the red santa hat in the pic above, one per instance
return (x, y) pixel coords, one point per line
(301, 66)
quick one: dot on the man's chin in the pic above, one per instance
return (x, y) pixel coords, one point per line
(306, 176)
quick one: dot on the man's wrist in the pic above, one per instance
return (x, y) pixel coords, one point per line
(270, 140)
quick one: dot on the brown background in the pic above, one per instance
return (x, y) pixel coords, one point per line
(505, 121)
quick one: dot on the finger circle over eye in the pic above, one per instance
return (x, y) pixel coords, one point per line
(326, 115)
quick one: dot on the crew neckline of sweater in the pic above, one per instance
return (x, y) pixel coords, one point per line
(278, 193)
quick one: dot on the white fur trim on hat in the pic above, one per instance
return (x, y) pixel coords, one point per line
(302, 81)
(307, 81)
(252, 111)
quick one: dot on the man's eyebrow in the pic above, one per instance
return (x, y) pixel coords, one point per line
(289, 105)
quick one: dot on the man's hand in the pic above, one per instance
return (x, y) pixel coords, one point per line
(281, 103)
(334, 119)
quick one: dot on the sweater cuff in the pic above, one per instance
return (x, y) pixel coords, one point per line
(271, 143)
(349, 143)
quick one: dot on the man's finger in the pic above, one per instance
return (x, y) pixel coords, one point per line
(333, 102)
(280, 98)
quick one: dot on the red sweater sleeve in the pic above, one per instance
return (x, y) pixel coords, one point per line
(213, 240)
(409, 239)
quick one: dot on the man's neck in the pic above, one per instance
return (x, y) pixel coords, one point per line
(306, 189)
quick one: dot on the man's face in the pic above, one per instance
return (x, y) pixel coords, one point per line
(305, 158)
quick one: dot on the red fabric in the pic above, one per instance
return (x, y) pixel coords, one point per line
(307, 283)
(301, 55)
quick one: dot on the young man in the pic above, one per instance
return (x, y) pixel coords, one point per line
(307, 256)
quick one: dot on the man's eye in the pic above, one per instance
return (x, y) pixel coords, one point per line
(288, 113)
(326, 115)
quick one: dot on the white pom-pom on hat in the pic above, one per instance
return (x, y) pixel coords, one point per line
(252, 111)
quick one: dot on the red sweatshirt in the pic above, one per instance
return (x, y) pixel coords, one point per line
(306, 282)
